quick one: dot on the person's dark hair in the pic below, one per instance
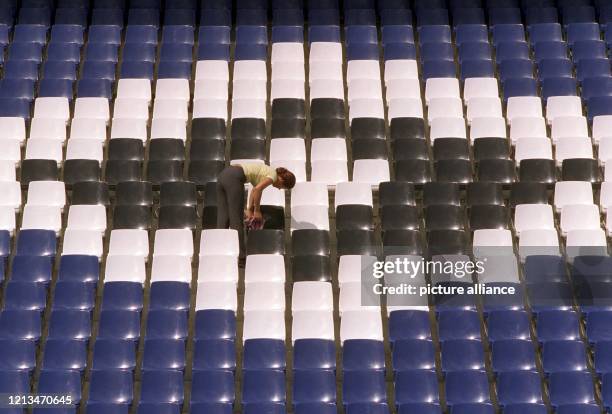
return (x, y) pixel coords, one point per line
(287, 177)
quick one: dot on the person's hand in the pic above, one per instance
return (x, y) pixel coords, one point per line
(248, 214)
(257, 216)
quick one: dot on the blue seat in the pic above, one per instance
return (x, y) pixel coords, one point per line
(359, 17)
(397, 34)
(571, 388)
(603, 357)
(213, 354)
(211, 408)
(599, 105)
(431, 17)
(36, 269)
(114, 354)
(364, 387)
(395, 51)
(167, 324)
(15, 107)
(4, 32)
(361, 35)
(17, 88)
(367, 408)
(545, 269)
(459, 324)
(216, 17)
(102, 52)
(545, 32)
(511, 51)
(562, 356)
(248, 35)
(79, 268)
(323, 17)
(63, 52)
(161, 354)
(20, 69)
(467, 387)
(580, 14)
(143, 17)
(541, 15)
(555, 68)
(550, 50)
(122, 296)
(499, 16)
(14, 382)
(25, 295)
(56, 88)
(263, 386)
(172, 70)
(519, 87)
(162, 387)
(474, 51)
(464, 16)
(99, 70)
(169, 295)
(363, 354)
(526, 408)
(260, 354)
(176, 52)
(74, 295)
(214, 35)
(61, 382)
(582, 31)
(549, 296)
(104, 34)
(434, 34)
(596, 86)
(557, 326)
(437, 51)
(212, 386)
(17, 355)
(409, 324)
(267, 407)
(60, 70)
(494, 302)
(65, 354)
(107, 17)
(285, 34)
(67, 33)
(314, 354)
(578, 409)
(180, 17)
(7, 16)
(215, 324)
(322, 408)
(213, 52)
(251, 17)
(287, 17)
(462, 355)
(71, 15)
(476, 69)
(413, 354)
(589, 49)
(503, 325)
(417, 386)
(324, 33)
(159, 408)
(519, 387)
(588, 269)
(111, 386)
(439, 69)
(137, 70)
(5, 243)
(141, 34)
(508, 33)
(473, 408)
(119, 324)
(250, 52)
(589, 68)
(30, 33)
(70, 324)
(598, 326)
(363, 51)
(513, 355)
(314, 386)
(137, 52)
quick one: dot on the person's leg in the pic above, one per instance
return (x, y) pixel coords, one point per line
(222, 213)
(235, 202)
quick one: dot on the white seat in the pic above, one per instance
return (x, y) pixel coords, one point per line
(92, 108)
(87, 217)
(351, 298)
(350, 268)
(312, 325)
(534, 127)
(484, 108)
(171, 109)
(7, 219)
(447, 128)
(44, 149)
(533, 217)
(366, 108)
(353, 193)
(329, 172)
(53, 108)
(122, 268)
(42, 217)
(129, 128)
(134, 89)
(87, 128)
(288, 52)
(523, 107)
(287, 88)
(264, 268)
(173, 242)
(500, 269)
(577, 147)
(325, 52)
(10, 150)
(362, 69)
(212, 69)
(489, 242)
(288, 71)
(538, 242)
(441, 88)
(84, 149)
(261, 296)
(48, 128)
(488, 128)
(403, 88)
(7, 171)
(210, 108)
(246, 160)
(590, 242)
(249, 89)
(364, 89)
(168, 128)
(172, 89)
(272, 196)
(82, 242)
(219, 242)
(312, 296)
(572, 192)
(604, 152)
(288, 149)
(609, 222)
(12, 128)
(371, 172)
(530, 148)
(46, 193)
(309, 194)
(309, 217)
(131, 108)
(562, 106)
(327, 88)
(415, 277)
(569, 126)
(602, 127)
(130, 242)
(401, 69)
(298, 168)
(264, 324)
(405, 108)
(608, 174)
(579, 217)
(250, 69)
(218, 269)
(331, 71)
(11, 194)
(605, 196)
(480, 88)
(171, 269)
(444, 108)
(216, 295)
(361, 324)
(210, 89)
(249, 108)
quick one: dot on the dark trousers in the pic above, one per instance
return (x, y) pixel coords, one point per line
(230, 202)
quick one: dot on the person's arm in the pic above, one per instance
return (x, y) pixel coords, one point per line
(255, 198)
